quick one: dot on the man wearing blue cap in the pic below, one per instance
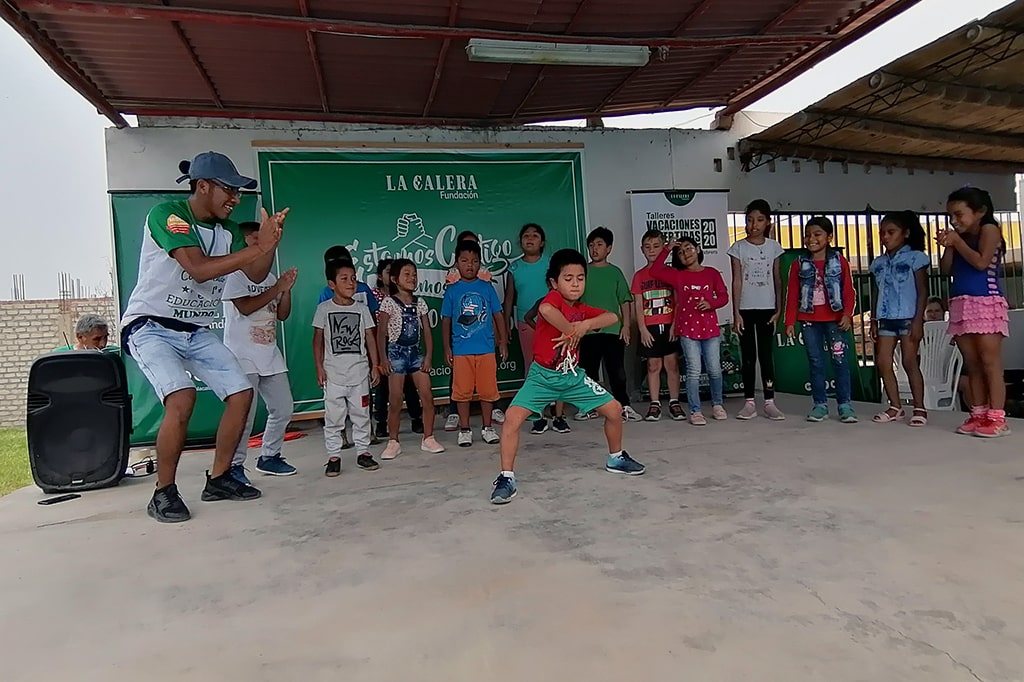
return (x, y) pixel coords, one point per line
(189, 247)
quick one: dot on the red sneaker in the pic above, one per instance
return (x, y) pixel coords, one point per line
(971, 425)
(992, 428)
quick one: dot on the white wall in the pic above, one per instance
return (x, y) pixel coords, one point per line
(615, 160)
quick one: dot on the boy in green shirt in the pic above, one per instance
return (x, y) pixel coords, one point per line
(607, 289)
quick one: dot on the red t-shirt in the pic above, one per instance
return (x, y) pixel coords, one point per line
(822, 308)
(544, 353)
(656, 297)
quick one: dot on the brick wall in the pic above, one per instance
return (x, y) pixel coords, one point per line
(33, 328)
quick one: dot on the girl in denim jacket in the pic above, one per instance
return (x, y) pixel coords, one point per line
(901, 276)
(820, 296)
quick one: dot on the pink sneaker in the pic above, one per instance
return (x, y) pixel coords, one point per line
(430, 444)
(719, 413)
(697, 419)
(992, 428)
(971, 424)
(394, 449)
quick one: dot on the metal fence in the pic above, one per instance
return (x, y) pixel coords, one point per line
(857, 234)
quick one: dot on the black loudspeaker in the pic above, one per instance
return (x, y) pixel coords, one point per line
(79, 420)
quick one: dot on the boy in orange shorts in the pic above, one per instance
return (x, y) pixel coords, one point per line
(470, 314)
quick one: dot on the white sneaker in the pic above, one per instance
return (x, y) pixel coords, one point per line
(489, 435)
(584, 416)
(465, 438)
(631, 415)
(497, 416)
(451, 423)
(430, 444)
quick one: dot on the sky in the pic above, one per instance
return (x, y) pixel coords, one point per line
(53, 176)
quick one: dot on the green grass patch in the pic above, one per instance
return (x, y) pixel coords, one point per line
(14, 468)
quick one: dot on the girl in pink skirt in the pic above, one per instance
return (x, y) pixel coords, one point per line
(978, 316)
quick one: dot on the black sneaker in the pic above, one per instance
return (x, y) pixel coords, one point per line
(382, 429)
(333, 467)
(653, 412)
(365, 461)
(417, 426)
(677, 411)
(559, 425)
(167, 506)
(226, 487)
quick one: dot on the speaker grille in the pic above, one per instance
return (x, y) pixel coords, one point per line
(37, 401)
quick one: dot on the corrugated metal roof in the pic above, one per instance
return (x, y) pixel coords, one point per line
(404, 61)
(955, 104)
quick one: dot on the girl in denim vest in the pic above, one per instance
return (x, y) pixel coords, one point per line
(820, 296)
(901, 275)
(978, 316)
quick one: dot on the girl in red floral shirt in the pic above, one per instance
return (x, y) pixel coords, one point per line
(700, 291)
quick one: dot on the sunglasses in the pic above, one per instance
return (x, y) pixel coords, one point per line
(233, 192)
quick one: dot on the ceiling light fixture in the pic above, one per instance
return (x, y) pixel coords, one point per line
(570, 54)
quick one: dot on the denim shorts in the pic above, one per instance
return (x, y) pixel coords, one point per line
(405, 359)
(170, 359)
(895, 328)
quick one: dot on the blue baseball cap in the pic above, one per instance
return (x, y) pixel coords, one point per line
(214, 166)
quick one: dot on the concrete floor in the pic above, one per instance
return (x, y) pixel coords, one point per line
(749, 551)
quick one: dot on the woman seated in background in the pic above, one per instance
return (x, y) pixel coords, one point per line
(935, 311)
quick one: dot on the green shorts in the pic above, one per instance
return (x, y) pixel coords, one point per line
(544, 386)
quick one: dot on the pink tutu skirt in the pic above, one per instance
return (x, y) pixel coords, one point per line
(978, 315)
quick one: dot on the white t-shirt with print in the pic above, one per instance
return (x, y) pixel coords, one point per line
(252, 338)
(344, 326)
(758, 261)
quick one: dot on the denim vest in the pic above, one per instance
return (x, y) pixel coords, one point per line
(833, 281)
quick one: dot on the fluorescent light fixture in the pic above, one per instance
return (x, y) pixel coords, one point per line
(522, 52)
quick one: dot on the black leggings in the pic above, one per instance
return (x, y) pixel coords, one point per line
(607, 348)
(756, 345)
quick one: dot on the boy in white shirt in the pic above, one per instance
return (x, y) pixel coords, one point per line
(343, 338)
(251, 314)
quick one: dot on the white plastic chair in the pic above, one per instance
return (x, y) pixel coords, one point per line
(941, 361)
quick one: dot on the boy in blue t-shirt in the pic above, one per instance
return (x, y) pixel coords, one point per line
(470, 315)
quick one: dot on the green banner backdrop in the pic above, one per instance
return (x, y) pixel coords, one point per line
(386, 204)
(792, 373)
(129, 211)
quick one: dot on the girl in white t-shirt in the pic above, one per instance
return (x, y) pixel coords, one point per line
(756, 286)
(405, 326)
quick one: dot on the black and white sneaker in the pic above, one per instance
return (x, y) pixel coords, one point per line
(167, 505)
(653, 412)
(226, 487)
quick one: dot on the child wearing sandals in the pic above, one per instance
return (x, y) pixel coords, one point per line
(403, 319)
(978, 316)
(901, 276)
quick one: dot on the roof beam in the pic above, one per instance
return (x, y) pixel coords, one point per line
(749, 146)
(60, 63)
(947, 92)
(453, 10)
(872, 15)
(314, 57)
(699, 9)
(780, 18)
(910, 131)
(113, 10)
(200, 69)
